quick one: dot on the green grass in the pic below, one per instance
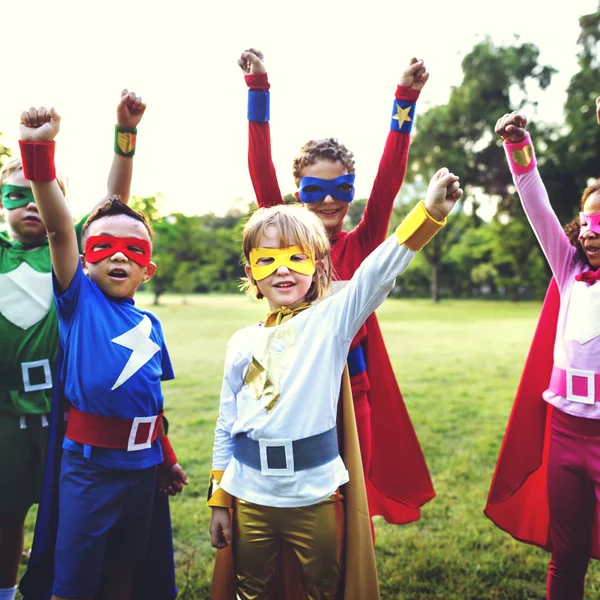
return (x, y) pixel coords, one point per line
(458, 365)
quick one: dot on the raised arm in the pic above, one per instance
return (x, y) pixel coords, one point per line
(374, 224)
(512, 128)
(375, 277)
(130, 111)
(260, 161)
(37, 132)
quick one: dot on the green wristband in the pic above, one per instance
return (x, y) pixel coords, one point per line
(125, 139)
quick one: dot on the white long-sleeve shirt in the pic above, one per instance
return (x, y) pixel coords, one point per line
(283, 382)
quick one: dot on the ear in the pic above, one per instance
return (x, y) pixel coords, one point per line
(297, 196)
(83, 263)
(150, 271)
(248, 271)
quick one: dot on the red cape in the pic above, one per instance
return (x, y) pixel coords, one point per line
(518, 497)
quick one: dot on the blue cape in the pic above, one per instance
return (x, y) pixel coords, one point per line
(155, 576)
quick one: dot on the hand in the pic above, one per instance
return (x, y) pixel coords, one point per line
(598, 109)
(415, 76)
(443, 192)
(130, 110)
(39, 125)
(512, 127)
(220, 527)
(252, 61)
(171, 479)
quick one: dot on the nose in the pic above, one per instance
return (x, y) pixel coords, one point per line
(282, 270)
(328, 199)
(32, 206)
(119, 257)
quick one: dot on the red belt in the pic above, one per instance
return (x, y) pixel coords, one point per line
(576, 385)
(112, 432)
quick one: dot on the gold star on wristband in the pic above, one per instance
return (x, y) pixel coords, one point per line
(402, 115)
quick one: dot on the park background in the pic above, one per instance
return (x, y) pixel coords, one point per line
(333, 67)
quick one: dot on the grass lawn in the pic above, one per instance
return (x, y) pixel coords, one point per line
(458, 365)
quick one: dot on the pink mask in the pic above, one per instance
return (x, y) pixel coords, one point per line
(589, 223)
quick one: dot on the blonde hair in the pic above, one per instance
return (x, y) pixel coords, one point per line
(14, 165)
(295, 226)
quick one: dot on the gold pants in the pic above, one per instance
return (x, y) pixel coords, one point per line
(315, 535)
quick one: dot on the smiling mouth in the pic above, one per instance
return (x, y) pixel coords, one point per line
(329, 212)
(32, 219)
(284, 285)
(592, 249)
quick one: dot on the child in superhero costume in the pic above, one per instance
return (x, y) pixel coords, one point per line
(29, 340)
(113, 361)
(276, 456)
(398, 481)
(547, 479)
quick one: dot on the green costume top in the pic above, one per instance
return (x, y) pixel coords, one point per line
(28, 326)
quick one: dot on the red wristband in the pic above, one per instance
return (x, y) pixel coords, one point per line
(38, 161)
(169, 458)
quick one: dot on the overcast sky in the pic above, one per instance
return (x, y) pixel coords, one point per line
(333, 67)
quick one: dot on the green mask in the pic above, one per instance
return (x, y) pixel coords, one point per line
(14, 196)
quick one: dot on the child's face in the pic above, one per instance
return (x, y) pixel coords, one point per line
(329, 210)
(590, 241)
(117, 275)
(283, 287)
(23, 222)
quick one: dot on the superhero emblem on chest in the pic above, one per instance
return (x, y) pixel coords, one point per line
(583, 321)
(272, 357)
(25, 296)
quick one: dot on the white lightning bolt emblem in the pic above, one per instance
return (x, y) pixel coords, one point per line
(138, 340)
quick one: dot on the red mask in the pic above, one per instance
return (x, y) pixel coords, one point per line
(136, 249)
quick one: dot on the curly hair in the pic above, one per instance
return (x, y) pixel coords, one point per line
(326, 149)
(114, 206)
(295, 225)
(573, 228)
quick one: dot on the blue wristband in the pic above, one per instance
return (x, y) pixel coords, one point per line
(259, 106)
(403, 116)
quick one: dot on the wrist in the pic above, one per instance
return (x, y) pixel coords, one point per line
(38, 160)
(169, 458)
(125, 140)
(257, 81)
(521, 155)
(407, 93)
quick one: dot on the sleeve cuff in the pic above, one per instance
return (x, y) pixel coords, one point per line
(408, 94)
(216, 495)
(521, 156)
(418, 228)
(257, 81)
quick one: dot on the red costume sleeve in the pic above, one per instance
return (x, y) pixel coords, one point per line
(373, 227)
(260, 161)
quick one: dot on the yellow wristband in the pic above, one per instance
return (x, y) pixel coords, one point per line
(418, 228)
(216, 495)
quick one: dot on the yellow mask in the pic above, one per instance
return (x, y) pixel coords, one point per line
(279, 256)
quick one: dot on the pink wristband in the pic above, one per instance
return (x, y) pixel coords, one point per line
(169, 458)
(38, 161)
(521, 156)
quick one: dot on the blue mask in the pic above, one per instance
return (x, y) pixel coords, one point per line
(313, 189)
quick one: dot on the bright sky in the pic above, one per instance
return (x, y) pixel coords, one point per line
(333, 67)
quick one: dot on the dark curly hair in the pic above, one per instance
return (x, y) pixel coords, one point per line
(114, 206)
(325, 149)
(573, 228)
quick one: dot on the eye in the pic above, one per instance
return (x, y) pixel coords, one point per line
(583, 224)
(299, 258)
(16, 196)
(136, 249)
(101, 247)
(312, 188)
(344, 187)
(265, 260)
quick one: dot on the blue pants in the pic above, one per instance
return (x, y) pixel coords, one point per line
(101, 511)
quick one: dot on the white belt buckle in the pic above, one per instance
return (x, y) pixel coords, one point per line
(137, 421)
(289, 457)
(27, 366)
(590, 398)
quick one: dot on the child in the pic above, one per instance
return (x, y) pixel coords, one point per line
(29, 339)
(397, 480)
(556, 442)
(276, 447)
(114, 432)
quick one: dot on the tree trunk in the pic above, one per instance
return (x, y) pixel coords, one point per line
(435, 283)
